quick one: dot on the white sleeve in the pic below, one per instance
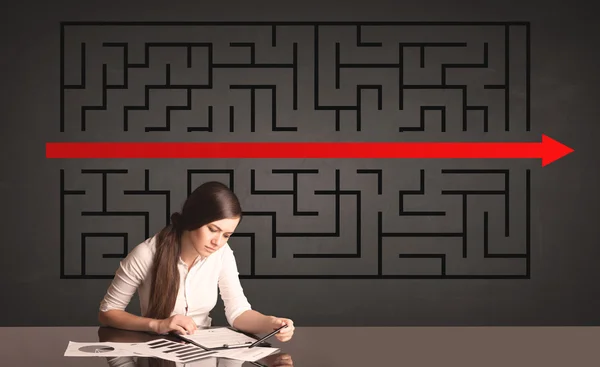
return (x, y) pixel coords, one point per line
(230, 287)
(131, 273)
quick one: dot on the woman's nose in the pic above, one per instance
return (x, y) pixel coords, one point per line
(217, 239)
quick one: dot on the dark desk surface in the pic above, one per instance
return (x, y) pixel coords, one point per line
(338, 346)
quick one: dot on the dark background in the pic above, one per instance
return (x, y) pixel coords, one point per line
(560, 288)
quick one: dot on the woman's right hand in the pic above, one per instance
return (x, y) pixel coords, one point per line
(179, 324)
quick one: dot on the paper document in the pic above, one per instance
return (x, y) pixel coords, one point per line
(219, 337)
(100, 349)
(247, 354)
(176, 351)
(173, 351)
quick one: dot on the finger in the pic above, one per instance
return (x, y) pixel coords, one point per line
(187, 328)
(278, 322)
(287, 330)
(179, 330)
(283, 338)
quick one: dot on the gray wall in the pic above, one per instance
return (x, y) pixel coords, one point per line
(358, 242)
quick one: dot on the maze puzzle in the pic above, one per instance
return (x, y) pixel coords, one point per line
(302, 81)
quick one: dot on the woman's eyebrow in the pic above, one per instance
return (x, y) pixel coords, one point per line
(218, 227)
(214, 225)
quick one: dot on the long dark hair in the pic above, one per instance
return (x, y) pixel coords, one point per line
(209, 202)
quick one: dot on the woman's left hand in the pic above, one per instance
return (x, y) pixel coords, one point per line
(286, 333)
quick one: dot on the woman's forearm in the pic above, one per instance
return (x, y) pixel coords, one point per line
(127, 321)
(254, 322)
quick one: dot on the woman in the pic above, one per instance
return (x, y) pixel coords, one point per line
(177, 273)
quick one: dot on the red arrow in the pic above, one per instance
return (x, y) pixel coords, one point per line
(548, 150)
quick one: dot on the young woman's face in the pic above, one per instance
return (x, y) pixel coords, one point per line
(212, 236)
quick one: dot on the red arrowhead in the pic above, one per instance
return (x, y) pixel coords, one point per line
(552, 150)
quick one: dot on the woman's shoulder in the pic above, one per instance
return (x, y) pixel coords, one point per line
(139, 260)
(226, 252)
(144, 251)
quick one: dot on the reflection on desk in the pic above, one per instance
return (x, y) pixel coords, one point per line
(106, 334)
(279, 360)
(341, 346)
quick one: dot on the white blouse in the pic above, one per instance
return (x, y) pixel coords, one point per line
(197, 286)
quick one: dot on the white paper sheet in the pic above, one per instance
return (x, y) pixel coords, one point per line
(218, 337)
(247, 354)
(99, 349)
(165, 349)
(172, 351)
(187, 353)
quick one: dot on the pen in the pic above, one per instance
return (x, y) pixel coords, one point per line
(234, 345)
(267, 336)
